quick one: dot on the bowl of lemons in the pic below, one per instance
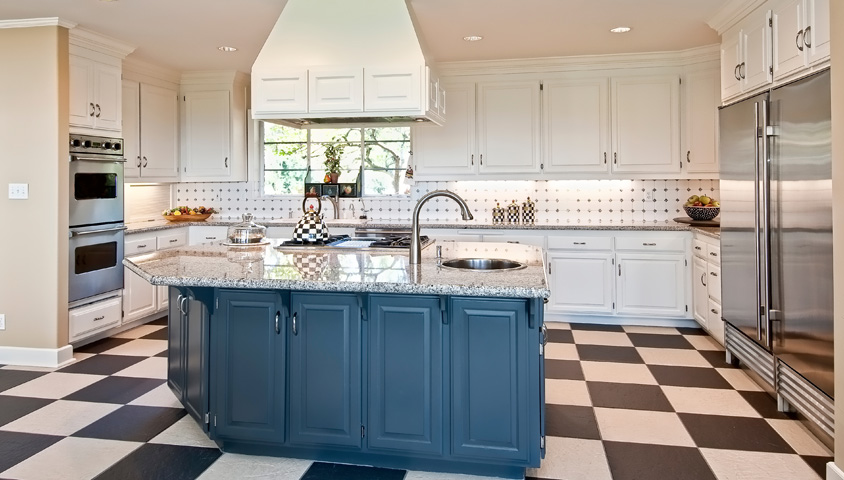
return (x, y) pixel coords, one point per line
(702, 207)
(188, 214)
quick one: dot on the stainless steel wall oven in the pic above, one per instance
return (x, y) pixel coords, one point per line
(95, 216)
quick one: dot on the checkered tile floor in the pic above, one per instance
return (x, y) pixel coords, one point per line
(622, 403)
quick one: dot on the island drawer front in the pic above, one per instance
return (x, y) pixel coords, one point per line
(671, 244)
(699, 248)
(137, 245)
(172, 240)
(579, 243)
(89, 319)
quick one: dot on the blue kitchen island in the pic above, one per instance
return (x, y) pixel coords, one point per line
(358, 357)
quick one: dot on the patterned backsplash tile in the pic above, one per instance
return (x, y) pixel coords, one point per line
(557, 201)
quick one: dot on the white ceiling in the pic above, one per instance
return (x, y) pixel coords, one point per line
(184, 34)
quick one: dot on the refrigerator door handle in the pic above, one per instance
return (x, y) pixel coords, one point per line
(756, 223)
(766, 228)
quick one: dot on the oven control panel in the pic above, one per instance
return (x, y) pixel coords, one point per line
(92, 144)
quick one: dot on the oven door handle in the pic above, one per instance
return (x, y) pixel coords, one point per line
(90, 232)
(106, 159)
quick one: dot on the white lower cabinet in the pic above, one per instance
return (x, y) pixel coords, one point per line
(90, 319)
(582, 282)
(706, 278)
(140, 298)
(651, 284)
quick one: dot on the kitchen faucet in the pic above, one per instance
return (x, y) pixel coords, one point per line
(415, 244)
(334, 205)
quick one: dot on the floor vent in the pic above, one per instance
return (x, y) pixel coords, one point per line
(750, 353)
(806, 398)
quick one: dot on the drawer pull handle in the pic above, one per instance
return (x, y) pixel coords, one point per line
(295, 329)
(277, 314)
(580, 243)
(714, 311)
(210, 238)
(174, 240)
(702, 277)
(142, 246)
(713, 254)
(96, 319)
(713, 274)
(698, 248)
(648, 244)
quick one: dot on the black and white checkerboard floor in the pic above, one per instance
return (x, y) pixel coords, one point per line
(622, 403)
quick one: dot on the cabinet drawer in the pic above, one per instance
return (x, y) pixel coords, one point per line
(699, 248)
(714, 323)
(137, 245)
(713, 254)
(89, 319)
(579, 243)
(673, 244)
(211, 234)
(713, 283)
(172, 240)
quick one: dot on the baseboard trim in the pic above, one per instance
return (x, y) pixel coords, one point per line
(833, 472)
(36, 357)
(622, 320)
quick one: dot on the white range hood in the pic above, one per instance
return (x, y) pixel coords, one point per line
(345, 62)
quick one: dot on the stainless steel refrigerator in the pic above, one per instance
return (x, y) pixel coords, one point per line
(776, 241)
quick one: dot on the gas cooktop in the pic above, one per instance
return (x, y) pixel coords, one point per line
(398, 241)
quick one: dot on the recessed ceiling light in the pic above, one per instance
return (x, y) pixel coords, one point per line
(620, 29)
(473, 38)
(226, 49)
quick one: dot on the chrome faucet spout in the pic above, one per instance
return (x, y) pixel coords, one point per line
(415, 244)
(335, 206)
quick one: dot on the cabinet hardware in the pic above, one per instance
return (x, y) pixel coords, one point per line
(799, 40)
(698, 248)
(686, 262)
(741, 70)
(277, 314)
(713, 274)
(613, 305)
(648, 244)
(482, 159)
(92, 110)
(688, 155)
(217, 303)
(295, 329)
(714, 311)
(615, 158)
(96, 319)
(210, 238)
(207, 418)
(713, 254)
(735, 72)
(687, 308)
(362, 431)
(806, 36)
(605, 158)
(179, 302)
(549, 268)
(145, 162)
(542, 166)
(702, 278)
(174, 240)
(139, 161)
(226, 162)
(619, 269)
(142, 246)
(182, 306)
(98, 111)
(580, 243)
(473, 158)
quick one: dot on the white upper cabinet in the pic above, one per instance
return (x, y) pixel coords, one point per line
(214, 123)
(449, 149)
(95, 90)
(508, 127)
(645, 124)
(800, 35)
(700, 125)
(280, 91)
(575, 125)
(746, 55)
(206, 134)
(151, 135)
(395, 88)
(335, 90)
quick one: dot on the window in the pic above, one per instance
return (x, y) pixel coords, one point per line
(379, 156)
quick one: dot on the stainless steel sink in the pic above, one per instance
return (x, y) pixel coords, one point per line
(483, 264)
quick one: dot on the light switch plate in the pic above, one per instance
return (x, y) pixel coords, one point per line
(2, 321)
(18, 191)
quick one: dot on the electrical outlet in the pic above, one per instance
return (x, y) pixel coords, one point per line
(649, 196)
(2, 321)
(18, 191)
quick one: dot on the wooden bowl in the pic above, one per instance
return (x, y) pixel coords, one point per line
(197, 217)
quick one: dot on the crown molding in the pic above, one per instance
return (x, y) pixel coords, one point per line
(731, 13)
(100, 43)
(37, 22)
(679, 58)
(133, 67)
(231, 77)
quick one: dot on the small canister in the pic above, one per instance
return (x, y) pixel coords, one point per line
(497, 214)
(528, 212)
(513, 212)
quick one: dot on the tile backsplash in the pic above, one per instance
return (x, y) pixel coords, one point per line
(557, 201)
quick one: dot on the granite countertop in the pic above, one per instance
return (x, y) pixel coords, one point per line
(156, 225)
(266, 267)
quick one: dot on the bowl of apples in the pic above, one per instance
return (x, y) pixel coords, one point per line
(702, 207)
(188, 214)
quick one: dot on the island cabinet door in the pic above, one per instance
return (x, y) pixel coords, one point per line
(188, 350)
(325, 369)
(248, 336)
(175, 344)
(405, 374)
(491, 407)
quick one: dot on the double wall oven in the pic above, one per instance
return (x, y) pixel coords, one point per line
(96, 217)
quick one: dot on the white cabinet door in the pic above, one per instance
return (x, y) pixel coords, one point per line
(645, 124)
(449, 149)
(206, 135)
(108, 88)
(392, 88)
(817, 21)
(700, 131)
(575, 125)
(131, 129)
(335, 90)
(280, 91)
(789, 53)
(81, 81)
(755, 69)
(139, 297)
(700, 291)
(508, 127)
(581, 282)
(651, 284)
(163, 296)
(159, 132)
(730, 64)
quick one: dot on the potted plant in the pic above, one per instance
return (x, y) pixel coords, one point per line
(333, 152)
